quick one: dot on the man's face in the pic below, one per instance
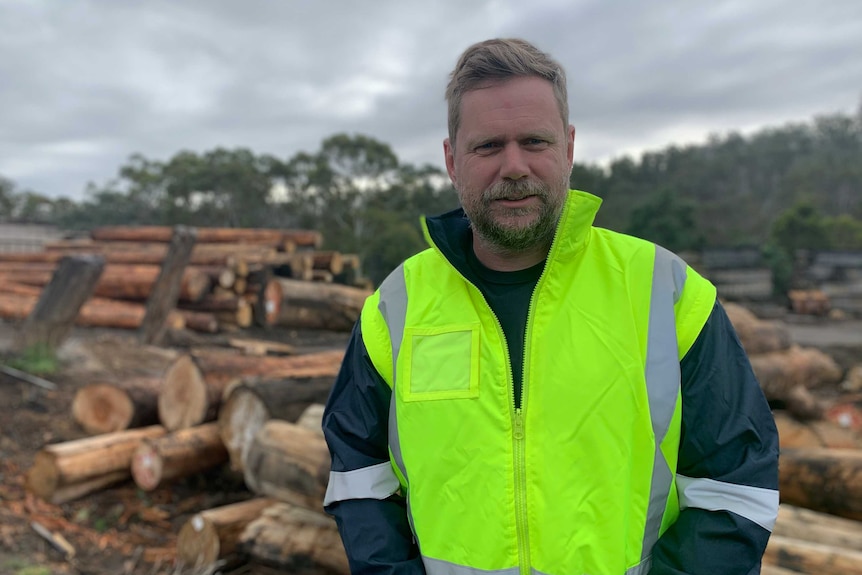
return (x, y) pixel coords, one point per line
(511, 162)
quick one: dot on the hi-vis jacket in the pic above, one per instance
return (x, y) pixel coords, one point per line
(615, 434)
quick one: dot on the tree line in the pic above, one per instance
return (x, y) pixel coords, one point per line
(782, 188)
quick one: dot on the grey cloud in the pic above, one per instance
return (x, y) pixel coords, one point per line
(85, 84)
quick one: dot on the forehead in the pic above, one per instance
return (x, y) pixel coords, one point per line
(516, 103)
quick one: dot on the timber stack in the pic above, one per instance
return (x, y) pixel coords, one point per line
(235, 278)
(260, 414)
(816, 404)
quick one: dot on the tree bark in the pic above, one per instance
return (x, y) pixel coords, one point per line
(97, 312)
(251, 402)
(159, 461)
(214, 534)
(806, 557)
(295, 540)
(289, 463)
(815, 527)
(793, 433)
(65, 471)
(124, 281)
(330, 261)
(193, 386)
(274, 237)
(60, 302)
(310, 305)
(166, 291)
(827, 480)
(107, 407)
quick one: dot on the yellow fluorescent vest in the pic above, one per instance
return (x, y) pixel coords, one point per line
(579, 480)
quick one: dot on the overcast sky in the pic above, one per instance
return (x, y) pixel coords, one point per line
(84, 84)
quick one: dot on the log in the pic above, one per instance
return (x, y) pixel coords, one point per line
(123, 281)
(320, 306)
(251, 402)
(65, 471)
(194, 385)
(97, 312)
(202, 322)
(166, 291)
(60, 302)
(289, 463)
(827, 480)
(757, 336)
(275, 237)
(186, 452)
(793, 433)
(767, 569)
(350, 270)
(806, 557)
(268, 294)
(214, 534)
(321, 276)
(107, 407)
(814, 527)
(786, 376)
(295, 540)
(330, 261)
(312, 418)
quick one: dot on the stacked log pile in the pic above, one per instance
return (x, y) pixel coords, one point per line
(236, 278)
(286, 461)
(819, 528)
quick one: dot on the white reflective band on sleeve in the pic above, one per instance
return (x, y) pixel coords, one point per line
(374, 482)
(754, 503)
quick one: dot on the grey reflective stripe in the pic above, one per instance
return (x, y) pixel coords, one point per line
(756, 504)
(663, 381)
(372, 482)
(393, 308)
(641, 568)
(438, 567)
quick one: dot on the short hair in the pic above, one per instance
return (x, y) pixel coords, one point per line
(497, 60)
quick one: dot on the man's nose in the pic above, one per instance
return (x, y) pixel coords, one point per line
(514, 163)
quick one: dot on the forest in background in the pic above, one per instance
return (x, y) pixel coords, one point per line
(780, 189)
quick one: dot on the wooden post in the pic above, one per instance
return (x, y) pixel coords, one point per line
(54, 315)
(166, 291)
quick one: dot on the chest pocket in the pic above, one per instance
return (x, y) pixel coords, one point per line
(440, 362)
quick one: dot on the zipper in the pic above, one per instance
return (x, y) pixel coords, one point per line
(517, 413)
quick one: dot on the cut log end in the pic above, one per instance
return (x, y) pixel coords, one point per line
(240, 419)
(183, 399)
(198, 542)
(147, 468)
(102, 408)
(43, 478)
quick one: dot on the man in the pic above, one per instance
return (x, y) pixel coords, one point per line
(536, 395)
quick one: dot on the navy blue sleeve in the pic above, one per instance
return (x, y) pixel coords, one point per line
(375, 533)
(728, 435)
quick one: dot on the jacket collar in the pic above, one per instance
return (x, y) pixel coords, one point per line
(450, 235)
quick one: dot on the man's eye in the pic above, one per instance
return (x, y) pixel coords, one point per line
(535, 142)
(487, 146)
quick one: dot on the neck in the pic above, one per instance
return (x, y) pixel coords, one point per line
(502, 260)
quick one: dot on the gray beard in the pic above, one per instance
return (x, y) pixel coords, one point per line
(505, 239)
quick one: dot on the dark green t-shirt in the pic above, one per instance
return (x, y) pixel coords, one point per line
(508, 294)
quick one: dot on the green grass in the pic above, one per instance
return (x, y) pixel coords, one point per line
(36, 359)
(21, 566)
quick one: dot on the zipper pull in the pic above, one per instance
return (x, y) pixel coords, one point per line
(519, 425)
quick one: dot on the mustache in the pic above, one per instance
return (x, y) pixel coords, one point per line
(516, 190)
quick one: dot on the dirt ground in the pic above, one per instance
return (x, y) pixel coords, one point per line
(121, 530)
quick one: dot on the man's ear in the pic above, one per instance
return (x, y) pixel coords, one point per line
(570, 144)
(449, 153)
